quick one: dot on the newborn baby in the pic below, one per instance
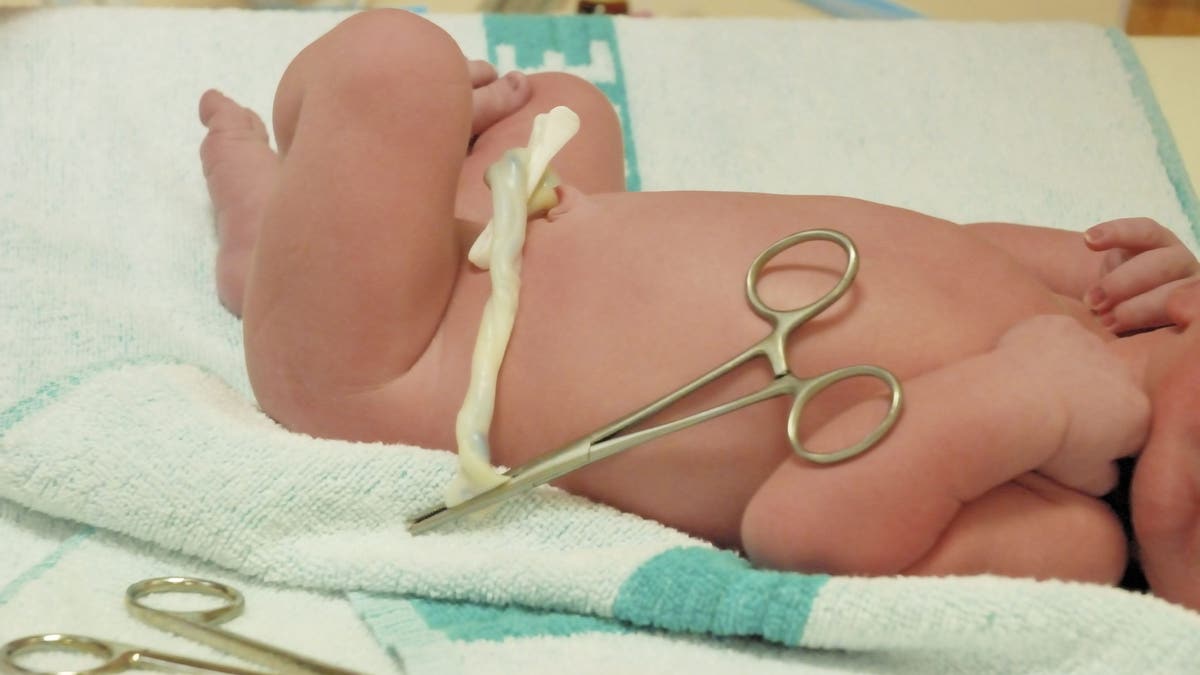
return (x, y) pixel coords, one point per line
(345, 254)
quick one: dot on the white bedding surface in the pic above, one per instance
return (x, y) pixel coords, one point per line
(130, 444)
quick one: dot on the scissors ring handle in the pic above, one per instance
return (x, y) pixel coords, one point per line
(233, 606)
(59, 642)
(786, 319)
(808, 389)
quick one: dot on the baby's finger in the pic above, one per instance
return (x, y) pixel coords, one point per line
(1138, 275)
(1183, 306)
(1114, 258)
(1138, 234)
(1148, 310)
(481, 73)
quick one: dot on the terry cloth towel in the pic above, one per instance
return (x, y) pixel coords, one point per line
(130, 445)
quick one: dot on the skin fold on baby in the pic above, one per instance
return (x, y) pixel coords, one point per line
(344, 250)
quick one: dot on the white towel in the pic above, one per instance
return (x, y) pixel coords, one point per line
(130, 445)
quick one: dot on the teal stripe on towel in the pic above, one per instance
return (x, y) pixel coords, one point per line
(420, 632)
(469, 622)
(47, 394)
(864, 9)
(1168, 152)
(403, 632)
(538, 42)
(10, 590)
(52, 391)
(702, 590)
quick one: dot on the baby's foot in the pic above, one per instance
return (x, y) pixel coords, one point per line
(495, 98)
(241, 170)
(1103, 406)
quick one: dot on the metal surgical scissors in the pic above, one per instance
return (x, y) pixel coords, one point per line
(615, 437)
(195, 625)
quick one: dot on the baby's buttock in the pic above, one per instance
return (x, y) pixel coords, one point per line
(627, 297)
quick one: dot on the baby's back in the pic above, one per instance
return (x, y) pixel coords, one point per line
(625, 297)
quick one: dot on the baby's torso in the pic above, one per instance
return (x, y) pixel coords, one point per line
(626, 297)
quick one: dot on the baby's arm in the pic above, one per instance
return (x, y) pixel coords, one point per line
(1058, 257)
(1122, 269)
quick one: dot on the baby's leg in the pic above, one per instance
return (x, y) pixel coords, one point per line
(359, 247)
(936, 495)
(593, 161)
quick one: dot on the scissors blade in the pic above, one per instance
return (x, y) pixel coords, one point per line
(522, 479)
(152, 660)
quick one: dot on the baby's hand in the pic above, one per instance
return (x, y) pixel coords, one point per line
(1144, 263)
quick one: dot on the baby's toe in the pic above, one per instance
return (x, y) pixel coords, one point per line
(220, 113)
(481, 73)
(497, 100)
(212, 102)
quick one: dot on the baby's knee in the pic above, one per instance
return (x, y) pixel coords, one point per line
(393, 29)
(376, 47)
(572, 91)
(565, 84)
